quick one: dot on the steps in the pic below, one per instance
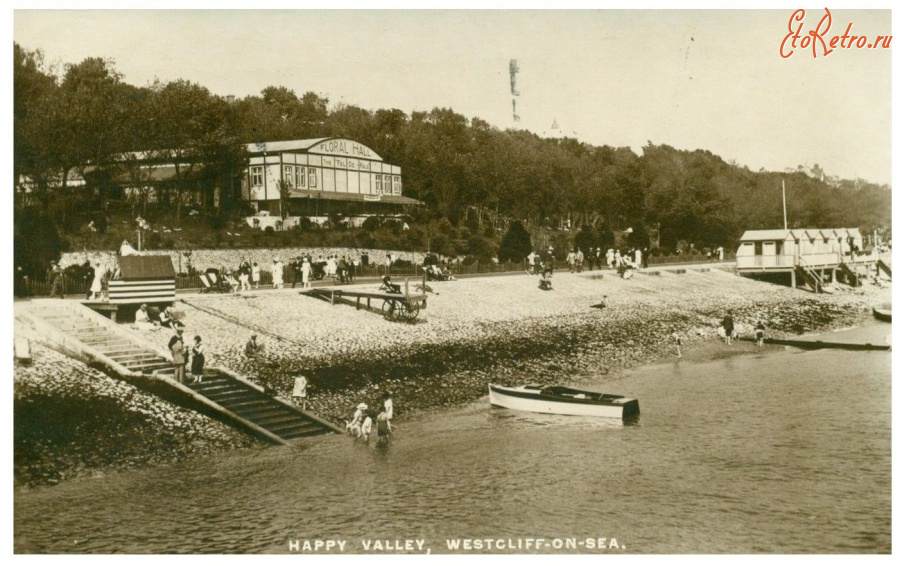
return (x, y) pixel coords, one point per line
(264, 411)
(810, 277)
(850, 274)
(281, 421)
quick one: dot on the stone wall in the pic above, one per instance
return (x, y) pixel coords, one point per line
(231, 258)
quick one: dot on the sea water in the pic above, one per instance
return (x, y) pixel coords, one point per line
(783, 451)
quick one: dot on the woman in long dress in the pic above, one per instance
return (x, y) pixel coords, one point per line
(97, 283)
(198, 359)
(304, 273)
(277, 274)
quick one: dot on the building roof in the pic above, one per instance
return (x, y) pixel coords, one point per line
(757, 235)
(137, 267)
(358, 197)
(276, 146)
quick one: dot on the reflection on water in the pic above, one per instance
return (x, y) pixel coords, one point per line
(783, 451)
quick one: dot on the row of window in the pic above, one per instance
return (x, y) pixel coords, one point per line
(303, 177)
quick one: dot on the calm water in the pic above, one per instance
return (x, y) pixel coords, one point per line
(782, 452)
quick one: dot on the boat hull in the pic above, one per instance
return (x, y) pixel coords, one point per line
(882, 314)
(533, 402)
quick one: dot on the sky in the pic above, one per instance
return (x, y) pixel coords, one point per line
(692, 79)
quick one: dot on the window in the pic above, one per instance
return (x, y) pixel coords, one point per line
(312, 178)
(256, 176)
(301, 177)
(377, 184)
(288, 175)
(396, 184)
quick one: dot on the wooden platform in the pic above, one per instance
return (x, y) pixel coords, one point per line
(394, 306)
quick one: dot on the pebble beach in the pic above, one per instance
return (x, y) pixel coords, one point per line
(475, 331)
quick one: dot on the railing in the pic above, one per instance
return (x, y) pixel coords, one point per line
(32, 288)
(765, 261)
(687, 258)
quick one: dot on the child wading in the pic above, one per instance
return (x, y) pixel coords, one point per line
(384, 428)
(760, 333)
(299, 394)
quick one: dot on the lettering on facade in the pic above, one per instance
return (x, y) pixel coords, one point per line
(345, 147)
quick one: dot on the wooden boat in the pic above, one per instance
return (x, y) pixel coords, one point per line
(883, 313)
(562, 401)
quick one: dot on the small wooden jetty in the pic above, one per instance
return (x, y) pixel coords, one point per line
(821, 344)
(393, 306)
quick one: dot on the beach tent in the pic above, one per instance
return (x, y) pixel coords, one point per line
(143, 279)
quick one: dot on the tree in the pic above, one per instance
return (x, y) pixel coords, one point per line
(284, 194)
(516, 243)
(36, 242)
(586, 238)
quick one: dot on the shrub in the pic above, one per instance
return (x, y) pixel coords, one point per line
(154, 240)
(372, 223)
(516, 243)
(269, 230)
(482, 248)
(36, 242)
(403, 263)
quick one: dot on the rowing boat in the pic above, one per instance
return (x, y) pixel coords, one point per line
(562, 401)
(883, 314)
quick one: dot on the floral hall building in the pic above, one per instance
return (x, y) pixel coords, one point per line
(324, 177)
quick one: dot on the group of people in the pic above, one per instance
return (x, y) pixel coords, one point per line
(727, 328)
(361, 424)
(181, 354)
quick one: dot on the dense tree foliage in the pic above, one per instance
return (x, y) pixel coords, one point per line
(85, 118)
(516, 243)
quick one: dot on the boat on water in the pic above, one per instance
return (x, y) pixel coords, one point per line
(557, 400)
(882, 313)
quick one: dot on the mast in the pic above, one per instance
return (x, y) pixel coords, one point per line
(784, 203)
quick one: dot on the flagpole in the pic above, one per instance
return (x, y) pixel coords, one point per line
(784, 203)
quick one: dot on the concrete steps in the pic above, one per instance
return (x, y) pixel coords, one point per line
(281, 421)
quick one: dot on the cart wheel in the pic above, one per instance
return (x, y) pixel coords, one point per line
(410, 312)
(388, 310)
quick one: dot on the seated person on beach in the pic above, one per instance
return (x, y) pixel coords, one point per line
(165, 317)
(253, 348)
(448, 275)
(545, 283)
(142, 319)
(386, 285)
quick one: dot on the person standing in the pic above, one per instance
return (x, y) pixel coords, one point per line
(610, 257)
(638, 257)
(176, 346)
(760, 333)
(97, 283)
(618, 258)
(677, 340)
(720, 251)
(88, 279)
(244, 274)
(255, 275)
(728, 325)
(295, 269)
(305, 270)
(299, 393)
(570, 259)
(590, 259)
(198, 359)
(253, 348)
(530, 258)
(579, 260)
(56, 277)
(277, 274)
(388, 405)
(384, 428)
(646, 257)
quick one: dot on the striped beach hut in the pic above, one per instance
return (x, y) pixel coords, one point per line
(143, 279)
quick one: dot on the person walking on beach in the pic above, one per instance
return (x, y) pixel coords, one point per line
(728, 325)
(570, 259)
(760, 333)
(176, 346)
(677, 340)
(198, 359)
(610, 258)
(530, 256)
(299, 393)
(254, 273)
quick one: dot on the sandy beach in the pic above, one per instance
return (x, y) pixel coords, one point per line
(480, 330)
